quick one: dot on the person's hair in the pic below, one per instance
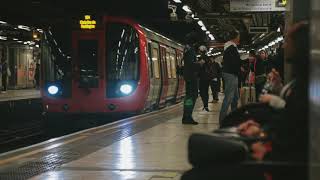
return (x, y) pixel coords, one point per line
(233, 34)
(252, 52)
(191, 38)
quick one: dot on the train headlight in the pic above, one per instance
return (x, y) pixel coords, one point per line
(126, 89)
(53, 90)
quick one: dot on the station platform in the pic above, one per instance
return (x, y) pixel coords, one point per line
(21, 94)
(150, 146)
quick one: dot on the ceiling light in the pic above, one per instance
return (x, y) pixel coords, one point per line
(24, 27)
(186, 9)
(211, 37)
(2, 22)
(207, 32)
(177, 1)
(278, 30)
(204, 28)
(200, 23)
(3, 38)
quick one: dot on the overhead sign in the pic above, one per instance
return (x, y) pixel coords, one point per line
(257, 5)
(87, 23)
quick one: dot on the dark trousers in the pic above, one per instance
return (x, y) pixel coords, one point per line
(4, 82)
(259, 87)
(190, 99)
(215, 88)
(204, 88)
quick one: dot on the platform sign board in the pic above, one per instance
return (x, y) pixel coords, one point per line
(257, 5)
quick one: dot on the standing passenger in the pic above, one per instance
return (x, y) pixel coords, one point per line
(231, 71)
(37, 75)
(205, 77)
(190, 74)
(4, 72)
(215, 84)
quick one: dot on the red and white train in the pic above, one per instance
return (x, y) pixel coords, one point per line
(116, 66)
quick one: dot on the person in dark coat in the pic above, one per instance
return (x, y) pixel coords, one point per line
(215, 83)
(190, 74)
(205, 77)
(261, 67)
(4, 72)
(37, 75)
(231, 71)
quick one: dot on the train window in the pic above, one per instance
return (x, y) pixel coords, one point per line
(150, 61)
(122, 52)
(168, 65)
(155, 62)
(173, 65)
(88, 63)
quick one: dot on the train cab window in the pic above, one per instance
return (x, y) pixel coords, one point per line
(122, 58)
(88, 63)
(168, 65)
(55, 68)
(155, 62)
(122, 52)
(173, 65)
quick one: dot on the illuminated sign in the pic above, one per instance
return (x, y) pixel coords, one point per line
(282, 3)
(257, 5)
(87, 23)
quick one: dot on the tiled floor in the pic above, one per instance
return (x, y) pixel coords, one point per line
(12, 95)
(156, 153)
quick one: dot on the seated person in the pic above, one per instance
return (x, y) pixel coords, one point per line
(288, 133)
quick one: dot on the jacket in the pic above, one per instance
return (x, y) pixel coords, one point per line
(191, 67)
(231, 59)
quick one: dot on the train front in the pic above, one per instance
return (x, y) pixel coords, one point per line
(106, 71)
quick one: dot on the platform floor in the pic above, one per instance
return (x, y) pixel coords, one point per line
(13, 95)
(148, 147)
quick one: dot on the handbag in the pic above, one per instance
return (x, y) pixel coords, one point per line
(8, 72)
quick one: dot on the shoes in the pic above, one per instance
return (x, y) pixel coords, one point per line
(192, 122)
(206, 109)
(215, 101)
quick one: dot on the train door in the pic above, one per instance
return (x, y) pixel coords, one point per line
(172, 75)
(180, 88)
(164, 77)
(88, 86)
(154, 75)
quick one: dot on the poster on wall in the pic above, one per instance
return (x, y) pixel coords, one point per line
(257, 5)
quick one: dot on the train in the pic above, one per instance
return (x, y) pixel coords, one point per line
(116, 66)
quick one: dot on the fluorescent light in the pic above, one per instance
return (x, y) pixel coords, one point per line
(278, 30)
(186, 9)
(200, 23)
(3, 22)
(204, 28)
(211, 37)
(24, 27)
(3, 38)
(207, 32)
(177, 1)
(40, 30)
(15, 39)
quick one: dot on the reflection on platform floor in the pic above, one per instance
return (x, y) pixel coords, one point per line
(157, 153)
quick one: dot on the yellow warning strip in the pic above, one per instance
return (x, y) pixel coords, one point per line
(8, 160)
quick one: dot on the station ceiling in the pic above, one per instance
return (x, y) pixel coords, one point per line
(215, 14)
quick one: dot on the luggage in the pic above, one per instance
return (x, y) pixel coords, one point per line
(247, 95)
